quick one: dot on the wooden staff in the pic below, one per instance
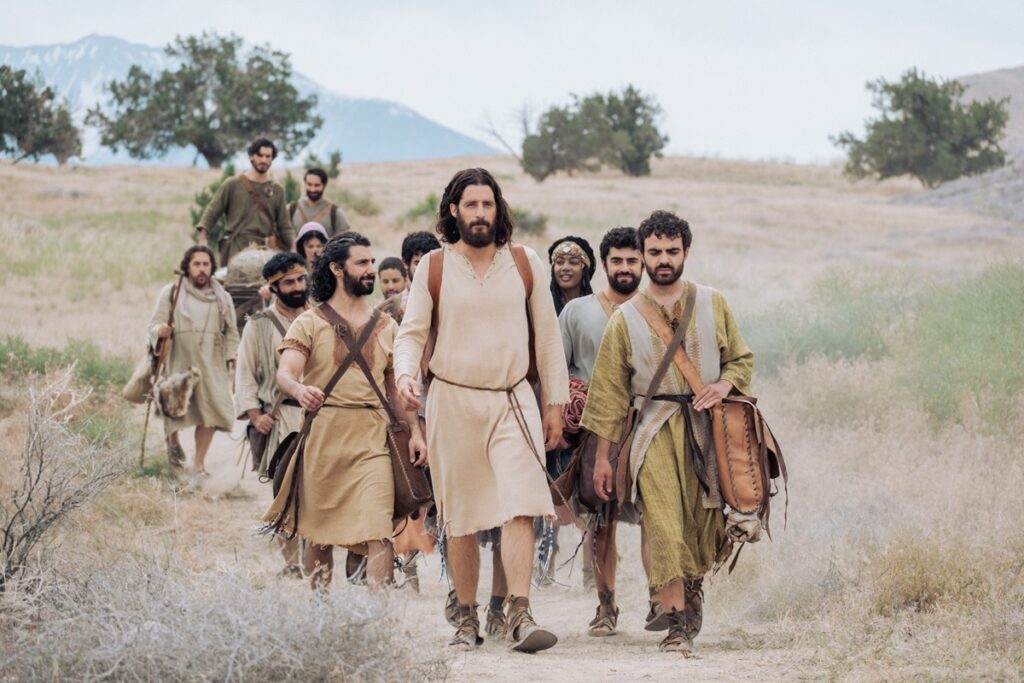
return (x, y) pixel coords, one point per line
(163, 350)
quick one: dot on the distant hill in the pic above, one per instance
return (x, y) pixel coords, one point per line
(363, 129)
(999, 194)
(998, 84)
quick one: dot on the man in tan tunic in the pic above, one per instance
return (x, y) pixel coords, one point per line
(256, 396)
(680, 499)
(204, 336)
(253, 206)
(483, 421)
(345, 483)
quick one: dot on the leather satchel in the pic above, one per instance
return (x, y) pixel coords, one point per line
(746, 452)
(411, 484)
(578, 476)
(292, 446)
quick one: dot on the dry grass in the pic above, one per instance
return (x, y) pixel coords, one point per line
(902, 556)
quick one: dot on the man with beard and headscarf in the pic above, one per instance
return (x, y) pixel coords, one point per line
(257, 398)
(583, 322)
(485, 430)
(345, 487)
(681, 503)
(203, 337)
(315, 208)
(253, 206)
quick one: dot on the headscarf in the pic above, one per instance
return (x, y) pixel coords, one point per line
(215, 292)
(304, 232)
(586, 253)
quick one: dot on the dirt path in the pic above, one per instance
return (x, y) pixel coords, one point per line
(218, 524)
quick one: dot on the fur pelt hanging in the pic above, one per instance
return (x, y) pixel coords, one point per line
(175, 392)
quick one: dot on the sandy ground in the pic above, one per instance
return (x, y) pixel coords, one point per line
(219, 524)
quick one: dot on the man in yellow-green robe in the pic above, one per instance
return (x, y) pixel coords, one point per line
(682, 516)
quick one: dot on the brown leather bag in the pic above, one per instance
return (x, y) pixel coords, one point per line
(412, 486)
(746, 452)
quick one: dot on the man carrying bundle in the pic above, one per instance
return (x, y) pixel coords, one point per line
(253, 206)
(271, 417)
(483, 422)
(677, 491)
(204, 339)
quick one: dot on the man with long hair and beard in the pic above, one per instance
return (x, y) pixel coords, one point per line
(204, 337)
(583, 322)
(257, 398)
(345, 480)
(483, 420)
(682, 508)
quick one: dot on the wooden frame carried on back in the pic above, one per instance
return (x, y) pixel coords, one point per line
(436, 259)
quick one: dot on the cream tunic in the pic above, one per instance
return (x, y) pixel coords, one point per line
(256, 379)
(206, 341)
(484, 471)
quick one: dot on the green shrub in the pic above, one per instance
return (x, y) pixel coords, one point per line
(529, 222)
(967, 342)
(362, 203)
(917, 574)
(101, 372)
(844, 319)
(425, 209)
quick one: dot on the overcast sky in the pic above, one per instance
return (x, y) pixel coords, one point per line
(746, 79)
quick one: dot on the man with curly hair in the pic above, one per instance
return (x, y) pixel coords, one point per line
(415, 246)
(345, 483)
(485, 429)
(679, 495)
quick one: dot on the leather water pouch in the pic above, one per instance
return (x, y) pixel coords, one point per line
(257, 445)
(623, 488)
(283, 455)
(587, 493)
(412, 487)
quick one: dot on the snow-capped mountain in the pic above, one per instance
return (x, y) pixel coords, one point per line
(363, 129)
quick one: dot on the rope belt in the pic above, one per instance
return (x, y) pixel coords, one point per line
(517, 409)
